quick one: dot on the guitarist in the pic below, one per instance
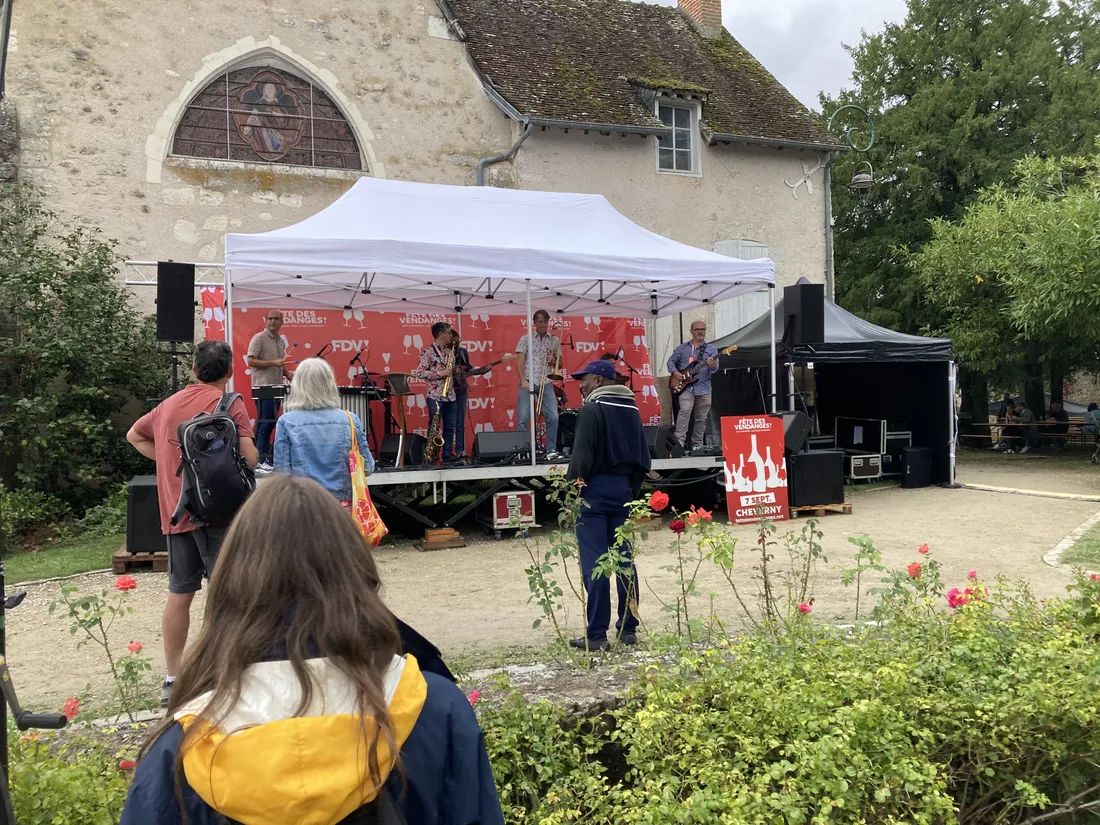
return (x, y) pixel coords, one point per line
(463, 372)
(701, 357)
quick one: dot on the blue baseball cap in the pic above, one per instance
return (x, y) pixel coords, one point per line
(604, 369)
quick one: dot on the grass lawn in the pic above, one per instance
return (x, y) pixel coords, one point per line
(1086, 552)
(64, 558)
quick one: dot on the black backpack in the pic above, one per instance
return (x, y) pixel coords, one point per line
(216, 479)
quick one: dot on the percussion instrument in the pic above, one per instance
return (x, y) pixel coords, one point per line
(357, 400)
(276, 392)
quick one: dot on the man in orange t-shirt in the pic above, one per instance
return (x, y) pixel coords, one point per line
(192, 550)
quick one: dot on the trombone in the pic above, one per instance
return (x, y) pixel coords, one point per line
(553, 363)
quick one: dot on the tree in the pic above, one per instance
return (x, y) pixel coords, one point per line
(1016, 281)
(959, 92)
(74, 355)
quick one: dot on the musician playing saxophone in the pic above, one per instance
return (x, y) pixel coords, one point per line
(695, 398)
(435, 367)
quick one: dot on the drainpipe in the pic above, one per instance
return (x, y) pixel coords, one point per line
(5, 32)
(482, 164)
(830, 294)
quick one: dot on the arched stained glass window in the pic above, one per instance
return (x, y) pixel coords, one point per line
(265, 114)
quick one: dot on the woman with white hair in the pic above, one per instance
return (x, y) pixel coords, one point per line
(313, 436)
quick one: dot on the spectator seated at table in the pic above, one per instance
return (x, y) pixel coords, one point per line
(1024, 430)
(1092, 420)
(1060, 424)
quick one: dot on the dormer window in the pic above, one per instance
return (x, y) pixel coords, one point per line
(678, 152)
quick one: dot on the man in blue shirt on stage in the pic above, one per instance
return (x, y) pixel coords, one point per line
(701, 357)
(610, 460)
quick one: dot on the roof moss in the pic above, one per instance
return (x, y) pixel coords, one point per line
(567, 60)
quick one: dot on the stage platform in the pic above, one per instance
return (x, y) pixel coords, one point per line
(401, 488)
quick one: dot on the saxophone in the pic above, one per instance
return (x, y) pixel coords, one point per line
(435, 444)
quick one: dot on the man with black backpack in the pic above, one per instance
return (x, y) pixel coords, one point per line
(201, 440)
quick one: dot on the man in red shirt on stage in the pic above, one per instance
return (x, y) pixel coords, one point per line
(192, 550)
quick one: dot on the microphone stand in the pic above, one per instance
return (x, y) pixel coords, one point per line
(630, 370)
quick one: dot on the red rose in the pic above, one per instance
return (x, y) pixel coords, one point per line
(677, 526)
(72, 708)
(127, 765)
(125, 583)
(658, 501)
(923, 549)
(915, 570)
(134, 647)
(696, 516)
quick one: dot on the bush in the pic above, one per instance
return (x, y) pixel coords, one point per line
(24, 511)
(76, 355)
(107, 518)
(987, 713)
(78, 780)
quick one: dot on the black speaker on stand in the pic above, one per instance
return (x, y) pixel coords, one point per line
(175, 310)
(143, 533)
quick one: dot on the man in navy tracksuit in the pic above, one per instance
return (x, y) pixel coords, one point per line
(611, 458)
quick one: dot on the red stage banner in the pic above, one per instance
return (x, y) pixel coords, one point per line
(391, 343)
(755, 468)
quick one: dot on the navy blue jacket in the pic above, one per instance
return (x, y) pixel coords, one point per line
(444, 776)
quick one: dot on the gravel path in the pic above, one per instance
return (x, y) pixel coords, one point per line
(474, 599)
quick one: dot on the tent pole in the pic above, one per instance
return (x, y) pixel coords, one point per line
(227, 298)
(951, 379)
(771, 290)
(531, 374)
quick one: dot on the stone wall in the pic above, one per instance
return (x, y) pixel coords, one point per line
(100, 88)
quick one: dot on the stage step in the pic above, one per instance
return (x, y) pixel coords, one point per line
(818, 510)
(441, 538)
(124, 562)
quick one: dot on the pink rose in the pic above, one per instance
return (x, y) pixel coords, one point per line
(134, 647)
(804, 608)
(474, 696)
(125, 583)
(972, 575)
(72, 708)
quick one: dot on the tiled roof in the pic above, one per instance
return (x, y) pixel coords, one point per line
(592, 61)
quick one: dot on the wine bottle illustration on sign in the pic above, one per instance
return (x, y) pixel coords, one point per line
(759, 481)
(770, 469)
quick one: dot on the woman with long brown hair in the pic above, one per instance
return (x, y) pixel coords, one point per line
(295, 707)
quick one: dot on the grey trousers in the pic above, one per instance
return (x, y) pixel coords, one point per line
(694, 412)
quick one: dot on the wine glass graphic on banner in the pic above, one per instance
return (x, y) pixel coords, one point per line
(408, 342)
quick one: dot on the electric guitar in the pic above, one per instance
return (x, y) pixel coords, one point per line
(678, 385)
(511, 356)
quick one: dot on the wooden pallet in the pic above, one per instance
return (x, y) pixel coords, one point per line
(441, 538)
(124, 562)
(818, 510)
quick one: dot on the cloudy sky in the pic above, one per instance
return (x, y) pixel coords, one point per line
(802, 42)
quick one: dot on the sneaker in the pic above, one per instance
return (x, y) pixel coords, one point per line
(628, 638)
(166, 693)
(1010, 452)
(554, 456)
(1025, 449)
(590, 644)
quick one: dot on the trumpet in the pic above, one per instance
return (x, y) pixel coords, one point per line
(435, 432)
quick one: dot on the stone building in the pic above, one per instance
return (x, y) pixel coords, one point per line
(167, 125)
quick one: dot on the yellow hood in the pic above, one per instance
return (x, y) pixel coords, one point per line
(264, 766)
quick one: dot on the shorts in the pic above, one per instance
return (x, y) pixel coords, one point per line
(191, 557)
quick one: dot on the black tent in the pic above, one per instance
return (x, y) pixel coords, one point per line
(860, 371)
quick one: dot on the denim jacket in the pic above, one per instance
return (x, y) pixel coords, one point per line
(316, 443)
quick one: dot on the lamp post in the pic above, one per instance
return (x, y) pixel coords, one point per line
(862, 181)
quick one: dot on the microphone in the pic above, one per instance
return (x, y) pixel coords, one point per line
(619, 354)
(321, 352)
(356, 358)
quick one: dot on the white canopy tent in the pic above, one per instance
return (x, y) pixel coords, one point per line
(416, 247)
